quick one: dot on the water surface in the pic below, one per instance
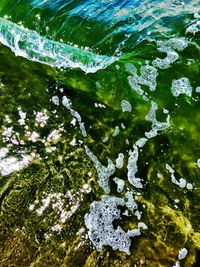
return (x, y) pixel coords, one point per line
(99, 144)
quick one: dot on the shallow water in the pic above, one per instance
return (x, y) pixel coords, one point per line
(99, 144)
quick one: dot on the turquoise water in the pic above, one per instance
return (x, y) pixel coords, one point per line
(99, 144)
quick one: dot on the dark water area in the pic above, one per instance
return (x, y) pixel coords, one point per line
(99, 123)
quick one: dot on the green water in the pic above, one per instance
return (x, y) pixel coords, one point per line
(63, 125)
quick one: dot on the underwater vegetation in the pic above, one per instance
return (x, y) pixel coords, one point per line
(99, 123)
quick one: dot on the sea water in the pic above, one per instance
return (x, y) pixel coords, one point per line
(99, 144)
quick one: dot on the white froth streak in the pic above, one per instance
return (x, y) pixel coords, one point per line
(156, 125)
(75, 114)
(182, 182)
(29, 44)
(133, 168)
(103, 172)
(169, 47)
(134, 155)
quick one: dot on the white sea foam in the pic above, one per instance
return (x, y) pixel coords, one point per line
(133, 168)
(120, 160)
(100, 225)
(141, 142)
(132, 205)
(31, 45)
(170, 47)
(66, 103)
(116, 132)
(148, 77)
(126, 106)
(120, 184)
(103, 172)
(181, 86)
(181, 182)
(156, 125)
